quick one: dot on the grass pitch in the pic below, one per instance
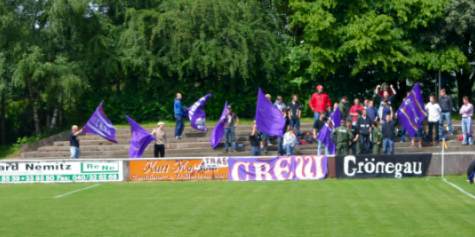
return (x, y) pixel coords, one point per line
(384, 207)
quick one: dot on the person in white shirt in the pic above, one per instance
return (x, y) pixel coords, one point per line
(290, 142)
(433, 118)
(466, 111)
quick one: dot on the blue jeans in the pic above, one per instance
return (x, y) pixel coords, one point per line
(179, 126)
(289, 150)
(255, 151)
(445, 116)
(467, 131)
(230, 136)
(388, 146)
(320, 146)
(295, 124)
(75, 152)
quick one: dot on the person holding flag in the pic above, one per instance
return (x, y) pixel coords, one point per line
(140, 139)
(411, 114)
(218, 131)
(325, 134)
(100, 125)
(180, 113)
(74, 142)
(230, 125)
(197, 115)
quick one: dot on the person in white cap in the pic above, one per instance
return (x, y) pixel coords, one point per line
(160, 140)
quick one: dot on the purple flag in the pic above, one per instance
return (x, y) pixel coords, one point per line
(139, 140)
(325, 134)
(218, 130)
(278, 168)
(197, 115)
(100, 125)
(269, 119)
(411, 113)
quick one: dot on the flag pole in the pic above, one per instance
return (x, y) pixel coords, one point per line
(442, 168)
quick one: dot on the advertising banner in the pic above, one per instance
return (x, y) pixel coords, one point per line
(212, 168)
(278, 168)
(60, 171)
(388, 166)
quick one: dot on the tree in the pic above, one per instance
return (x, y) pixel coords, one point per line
(459, 33)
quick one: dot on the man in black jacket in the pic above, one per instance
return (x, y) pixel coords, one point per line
(364, 130)
(445, 102)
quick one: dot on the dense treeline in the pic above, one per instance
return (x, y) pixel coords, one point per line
(60, 58)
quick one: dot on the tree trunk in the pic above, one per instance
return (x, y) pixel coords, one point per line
(36, 118)
(54, 118)
(3, 128)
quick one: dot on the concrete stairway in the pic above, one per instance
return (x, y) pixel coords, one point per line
(193, 144)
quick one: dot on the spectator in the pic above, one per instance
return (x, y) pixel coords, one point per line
(320, 103)
(180, 113)
(355, 148)
(290, 142)
(467, 112)
(255, 140)
(74, 142)
(364, 130)
(383, 93)
(279, 140)
(342, 136)
(279, 103)
(434, 111)
(445, 102)
(355, 111)
(269, 97)
(384, 110)
(317, 126)
(371, 111)
(230, 125)
(344, 107)
(387, 130)
(265, 139)
(376, 138)
(160, 140)
(295, 112)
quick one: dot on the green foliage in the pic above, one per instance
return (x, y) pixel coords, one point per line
(59, 59)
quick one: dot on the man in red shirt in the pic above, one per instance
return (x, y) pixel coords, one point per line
(355, 110)
(320, 103)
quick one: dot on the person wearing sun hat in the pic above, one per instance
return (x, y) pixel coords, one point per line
(160, 140)
(320, 102)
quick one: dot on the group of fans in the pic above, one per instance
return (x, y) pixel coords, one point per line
(366, 128)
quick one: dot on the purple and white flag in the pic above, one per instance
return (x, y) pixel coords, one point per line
(269, 119)
(325, 133)
(139, 140)
(218, 130)
(278, 168)
(197, 115)
(100, 125)
(411, 113)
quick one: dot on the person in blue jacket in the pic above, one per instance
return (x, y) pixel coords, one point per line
(180, 113)
(471, 172)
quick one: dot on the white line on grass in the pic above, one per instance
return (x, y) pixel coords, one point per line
(76, 191)
(458, 188)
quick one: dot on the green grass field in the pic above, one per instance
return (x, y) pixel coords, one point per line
(384, 207)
